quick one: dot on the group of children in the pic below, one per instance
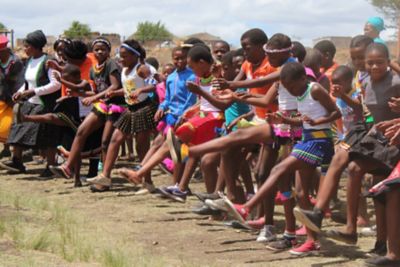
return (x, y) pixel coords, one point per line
(293, 118)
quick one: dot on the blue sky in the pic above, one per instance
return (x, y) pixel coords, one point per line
(302, 20)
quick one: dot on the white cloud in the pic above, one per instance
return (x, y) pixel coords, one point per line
(305, 19)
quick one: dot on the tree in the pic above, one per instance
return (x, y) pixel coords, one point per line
(389, 8)
(77, 30)
(2, 26)
(150, 31)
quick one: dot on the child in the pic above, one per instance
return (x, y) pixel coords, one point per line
(328, 51)
(369, 153)
(167, 69)
(177, 100)
(313, 61)
(219, 49)
(231, 63)
(107, 106)
(387, 191)
(299, 51)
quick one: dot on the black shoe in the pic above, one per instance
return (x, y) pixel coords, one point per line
(380, 249)
(382, 261)
(205, 210)
(203, 196)
(312, 219)
(46, 174)
(13, 165)
(350, 239)
(5, 153)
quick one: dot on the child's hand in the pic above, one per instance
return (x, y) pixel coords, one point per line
(274, 118)
(219, 84)
(110, 93)
(87, 101)
(17, 96)
(193, 87)
(395, 139)
(384, 125)
(337, 90)
(394, 104)
(308, 120)
(135, 94)
(159, 115)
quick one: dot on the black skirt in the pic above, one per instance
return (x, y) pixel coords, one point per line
(375, 146)
(138, 118)
(68, 111)
(31, 134)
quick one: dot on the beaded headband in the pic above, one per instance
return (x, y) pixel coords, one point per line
(271, 51)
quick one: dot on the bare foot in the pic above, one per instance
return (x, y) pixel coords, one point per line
(130, 175)
(63, 151)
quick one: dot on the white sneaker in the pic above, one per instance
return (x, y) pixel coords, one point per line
(267, 234)
(368, 231)
(218, 204)
(99, 180)
(146, 189)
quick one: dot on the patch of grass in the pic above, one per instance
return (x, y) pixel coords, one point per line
(41, 225)
(114, 258)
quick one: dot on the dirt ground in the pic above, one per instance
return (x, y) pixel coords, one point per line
(117, 228)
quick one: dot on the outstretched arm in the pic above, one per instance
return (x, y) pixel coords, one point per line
(221, 104)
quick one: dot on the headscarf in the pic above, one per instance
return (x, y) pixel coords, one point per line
(377, 23)
(37, 39)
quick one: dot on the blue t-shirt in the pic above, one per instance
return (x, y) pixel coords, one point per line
(236, 109)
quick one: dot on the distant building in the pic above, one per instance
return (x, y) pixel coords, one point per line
(206, 37)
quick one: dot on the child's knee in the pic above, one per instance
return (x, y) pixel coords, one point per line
(207, 162)
(354, 169)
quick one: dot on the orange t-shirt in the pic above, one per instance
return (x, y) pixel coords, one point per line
(85, 74)
(263, 70)
(328, 73)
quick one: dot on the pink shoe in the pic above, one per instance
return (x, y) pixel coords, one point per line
(257, 224)
(169, 164)
(302, 231)
(307, 248)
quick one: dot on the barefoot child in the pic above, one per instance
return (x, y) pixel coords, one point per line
(178, 99)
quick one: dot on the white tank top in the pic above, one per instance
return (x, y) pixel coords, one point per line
(130, 82)
(286, 101)
(204, 104)
(311, 108)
